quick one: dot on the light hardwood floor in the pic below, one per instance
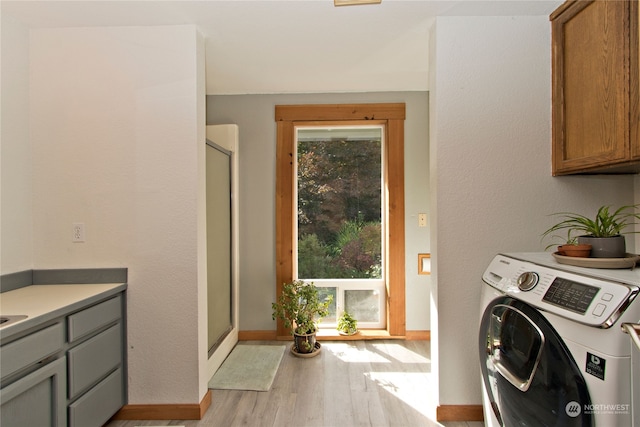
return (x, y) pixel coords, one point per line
(350, 383)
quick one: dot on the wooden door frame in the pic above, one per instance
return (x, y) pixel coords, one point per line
(392, 116)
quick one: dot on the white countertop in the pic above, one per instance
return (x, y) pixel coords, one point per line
(44, 302)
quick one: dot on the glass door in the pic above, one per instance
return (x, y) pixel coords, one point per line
(529, 374)
(219, 245)
(340, 218)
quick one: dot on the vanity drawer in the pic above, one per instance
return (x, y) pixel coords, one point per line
(96, 406)
(86, 321)
(33, 348)
(93, 359)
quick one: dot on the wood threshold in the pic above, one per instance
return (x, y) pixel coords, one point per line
(333, 335)
(178, 411)
(459, 413)
(363, 334)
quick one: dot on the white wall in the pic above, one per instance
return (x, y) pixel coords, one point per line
(16, 210)
(491, 186)
(117, 133)
(254, 114)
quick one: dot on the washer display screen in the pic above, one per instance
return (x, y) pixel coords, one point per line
(571, 295)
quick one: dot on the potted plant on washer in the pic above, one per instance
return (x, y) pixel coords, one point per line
(301, 309)
(571, 247)
(605, 232)
(347, 324)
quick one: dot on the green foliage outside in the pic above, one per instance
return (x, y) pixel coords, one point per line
(339, 209)
(356, 253)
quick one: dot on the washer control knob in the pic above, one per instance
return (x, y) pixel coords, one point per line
(527, 281)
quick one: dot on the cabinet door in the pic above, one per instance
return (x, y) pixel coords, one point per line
(590, 85)
(38, 399)
(634, 77)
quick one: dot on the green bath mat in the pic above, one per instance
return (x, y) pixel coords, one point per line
(248, 367)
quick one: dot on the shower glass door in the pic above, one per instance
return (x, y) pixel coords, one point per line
(219, 245)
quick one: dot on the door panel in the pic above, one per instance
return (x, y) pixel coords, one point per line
(222, 341)
(528, 372)
(218, 244)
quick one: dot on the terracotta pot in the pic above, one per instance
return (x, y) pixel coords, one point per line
(580, 250)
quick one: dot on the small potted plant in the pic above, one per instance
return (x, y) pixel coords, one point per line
(347, 324)
(604, 232)
(571, 247)
(301, 309)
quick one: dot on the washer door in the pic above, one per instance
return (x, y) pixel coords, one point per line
(530, 377)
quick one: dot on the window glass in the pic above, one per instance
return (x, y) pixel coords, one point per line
(363, 304)
(339, 180)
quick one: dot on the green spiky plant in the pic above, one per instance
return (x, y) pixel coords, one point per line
(606, 223)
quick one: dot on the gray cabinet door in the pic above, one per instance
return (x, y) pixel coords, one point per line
(38, 399)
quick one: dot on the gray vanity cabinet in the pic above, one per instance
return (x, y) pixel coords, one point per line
(69, 373)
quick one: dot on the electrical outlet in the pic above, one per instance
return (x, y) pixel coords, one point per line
(422, 220)
(78, 232)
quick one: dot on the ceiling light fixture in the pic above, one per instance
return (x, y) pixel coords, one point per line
(354, 2)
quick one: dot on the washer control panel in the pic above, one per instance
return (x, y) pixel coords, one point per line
(581, 298)
(571, 295)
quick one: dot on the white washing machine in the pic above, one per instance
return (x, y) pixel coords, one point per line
(553, 349)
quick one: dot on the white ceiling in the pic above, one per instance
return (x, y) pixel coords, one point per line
(289, 46)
